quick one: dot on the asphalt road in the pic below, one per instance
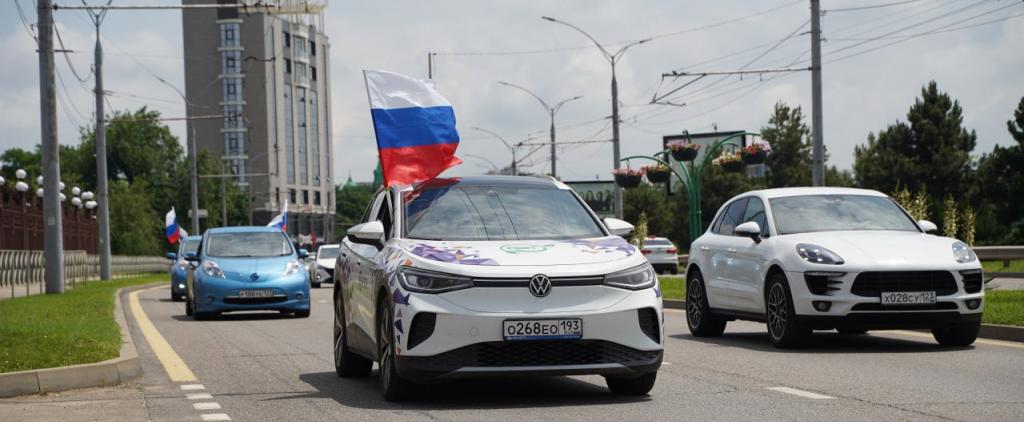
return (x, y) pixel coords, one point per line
(258, 367)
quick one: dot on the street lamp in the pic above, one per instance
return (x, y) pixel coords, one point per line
(612, 60)
(551, 111)
(507, 145)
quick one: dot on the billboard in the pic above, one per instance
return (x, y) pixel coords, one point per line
(598, 194)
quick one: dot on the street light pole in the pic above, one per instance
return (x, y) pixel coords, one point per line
(53, 232)
(612, 60)
(551, 112)
(507, 145)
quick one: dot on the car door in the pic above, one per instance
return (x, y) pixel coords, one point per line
(719, 249)
(361, 305)
(748, 260)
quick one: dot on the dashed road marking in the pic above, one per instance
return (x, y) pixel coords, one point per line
(187, 387)
(175, 367)
(801, 393)
(215, 417)
(206, 406)
(199, 396)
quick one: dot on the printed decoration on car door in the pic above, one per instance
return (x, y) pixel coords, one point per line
(451, 254)
(610, 244)
(399, 298)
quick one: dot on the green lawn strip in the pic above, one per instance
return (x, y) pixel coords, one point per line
(76, 327)
(672, 287)
(1016, 266)
(1004, 307)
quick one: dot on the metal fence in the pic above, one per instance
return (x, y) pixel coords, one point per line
(21, 272)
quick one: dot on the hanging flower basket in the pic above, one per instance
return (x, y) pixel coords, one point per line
(628, 178)
(657, 173)
(755, 153)
(683, 151)
(730, 162)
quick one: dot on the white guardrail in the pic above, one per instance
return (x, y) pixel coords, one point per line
(985, 253)
(25, 268)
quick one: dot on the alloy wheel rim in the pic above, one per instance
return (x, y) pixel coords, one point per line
(693, 298)
(385, 345)
(339, 335)
(777, 311)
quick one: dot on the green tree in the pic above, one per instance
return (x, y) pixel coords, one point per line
(649, 199)
(16, 158)
(350, 203)
(931, 151)
(136, 228)
(1001, 184)
(789, 164)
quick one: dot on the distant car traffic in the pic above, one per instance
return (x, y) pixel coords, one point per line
(803, 259)
(662, 254)
(322, 267)
(244, 269)
(493, 276)
(179, 267)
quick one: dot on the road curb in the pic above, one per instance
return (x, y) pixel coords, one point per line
(989, 331)
(119, 370)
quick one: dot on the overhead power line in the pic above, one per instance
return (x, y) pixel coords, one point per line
(876, 6)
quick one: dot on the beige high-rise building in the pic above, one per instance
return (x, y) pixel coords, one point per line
(267, 73)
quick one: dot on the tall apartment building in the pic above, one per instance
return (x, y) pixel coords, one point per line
(267, 74)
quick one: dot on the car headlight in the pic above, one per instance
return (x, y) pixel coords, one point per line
(212, 269)
(963, 253)
(421, 281)
(635, 278)
(818, 255)
(292, 268)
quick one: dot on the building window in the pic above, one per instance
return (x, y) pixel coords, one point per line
(305, 197)
(289, 135)
(300, 116)
(312, 47)
(291, 195)
(233, 118)
(230, 64)
(300, 47)
(314, 133)
(234, 143)
(287, 40)
(287, 65)
(316, 198)
(232, 89)
(229, 35)
(312, 72)
(277, 195)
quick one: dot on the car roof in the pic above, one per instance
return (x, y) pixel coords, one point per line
(194, 237)
(495, 180)
(807, 191)
(243, 229)
(332, 246)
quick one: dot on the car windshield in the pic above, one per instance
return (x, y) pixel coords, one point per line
(817, 213)
(657, 242)
(190, 246)
(496, 213)
(328, 253)
(245, 245)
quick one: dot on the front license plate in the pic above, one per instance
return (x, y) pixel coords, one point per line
(256, 293)
(908, 298)
(542, 329)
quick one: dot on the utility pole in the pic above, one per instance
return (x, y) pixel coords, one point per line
(193, 168)
(430, 65)
(818, 148)
(103, 214)
(53, 238)
(223, 197)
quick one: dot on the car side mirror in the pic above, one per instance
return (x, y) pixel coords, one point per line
(303, 253)
(172, 256)
(371, 233)
(192, 257)
(618, 227)
(749, 229)
(927, 226)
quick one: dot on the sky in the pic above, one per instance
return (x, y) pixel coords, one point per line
(876, 60)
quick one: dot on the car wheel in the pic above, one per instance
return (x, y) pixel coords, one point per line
(849, 332)
(699, 319)
(315, 285)
(302, 314)
(346, 363)
(957, 335)
(631, 386)
(393, 386)
(674, 270)
(784, 328)
(174, 297)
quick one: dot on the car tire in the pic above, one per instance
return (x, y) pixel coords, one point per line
(174, 297)
(958, 335)
(188, 306)
(393, 386)
(850, 332)
(302, 314)
(699, 319)
(784, 328)
(631, 386)
(674, 270)
(346, 363)
(315, 285)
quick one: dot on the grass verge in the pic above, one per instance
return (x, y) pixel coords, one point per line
(1016, 266)
(76, 327)
(672, 287)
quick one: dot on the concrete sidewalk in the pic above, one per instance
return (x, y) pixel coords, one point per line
(1006, 283)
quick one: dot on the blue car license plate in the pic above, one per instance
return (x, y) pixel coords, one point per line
(542, 329)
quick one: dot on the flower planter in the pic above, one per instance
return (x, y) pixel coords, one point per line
(658, 176)
(684, 154)
(628, 180)
(755, 158)
(733, 166)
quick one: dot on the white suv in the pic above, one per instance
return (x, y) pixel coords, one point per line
(803, 259)
(493, 276)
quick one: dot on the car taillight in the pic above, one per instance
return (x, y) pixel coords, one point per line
(673, 251)
(645, 251)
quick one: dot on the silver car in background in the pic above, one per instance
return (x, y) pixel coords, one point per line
(662, 254)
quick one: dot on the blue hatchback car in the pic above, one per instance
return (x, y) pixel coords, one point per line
(246, 269)
(179, 267)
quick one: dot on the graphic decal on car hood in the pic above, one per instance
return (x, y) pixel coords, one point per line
(521, 252)
(454, 254)
(604, 245)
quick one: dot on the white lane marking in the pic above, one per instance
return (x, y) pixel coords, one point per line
(985, 341)
(215, 417)
(801, 393)
(199, 396)
(321, 301)
(206, 406)
(666, 363)
(187, 387)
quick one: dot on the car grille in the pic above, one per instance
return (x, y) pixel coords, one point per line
(940, 306)
(525, 282)
(820, 284)
(540, 353)
(649, 323)
(871, 284)
(973, 280)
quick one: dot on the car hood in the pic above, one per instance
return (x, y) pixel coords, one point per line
(326, 263)
(522, 253)
(881, 247)
(244, 268)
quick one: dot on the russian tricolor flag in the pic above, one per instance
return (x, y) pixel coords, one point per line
(281, 220)
(415, 127)
(171, 228)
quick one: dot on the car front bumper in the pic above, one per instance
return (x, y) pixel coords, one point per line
(221, 295)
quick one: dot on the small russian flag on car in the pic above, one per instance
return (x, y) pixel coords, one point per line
(281, 220)
(171, 228)
(415, 127)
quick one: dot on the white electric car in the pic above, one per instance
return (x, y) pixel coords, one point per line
(804, 259)
(321, 270)
(493, 276)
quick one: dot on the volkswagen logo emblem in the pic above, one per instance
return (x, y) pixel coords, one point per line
(540, 285)
(254, 276)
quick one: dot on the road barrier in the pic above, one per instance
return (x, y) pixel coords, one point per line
(21, 269)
